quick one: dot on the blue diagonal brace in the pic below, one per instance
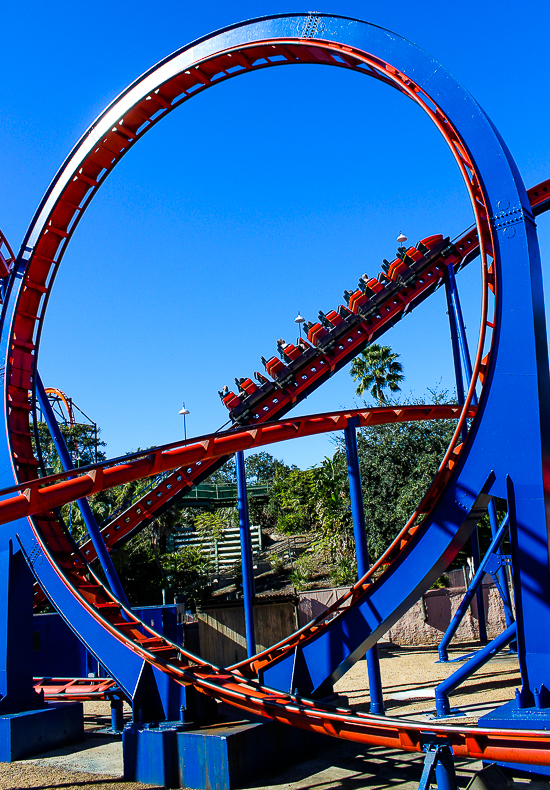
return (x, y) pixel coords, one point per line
(89, 520)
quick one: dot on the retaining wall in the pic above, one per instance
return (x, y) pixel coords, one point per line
(427, 620)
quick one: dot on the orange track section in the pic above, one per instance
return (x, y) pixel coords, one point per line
(43, 494)
(79, 689)
(40, 496)
(526, 746)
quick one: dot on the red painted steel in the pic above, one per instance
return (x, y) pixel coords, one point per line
(43, 494)
(76, 689)
(7, 257)
(510, 746)
(130, 520)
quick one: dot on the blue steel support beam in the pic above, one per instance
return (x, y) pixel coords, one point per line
(362, 555)
(438, 764)
(460, 348)
(497, 446)
(455, 344)
(246, 555)
(454, 300)
(471, 591)
(501, 573)
(16, 628)
(89, 520)
(442, 691)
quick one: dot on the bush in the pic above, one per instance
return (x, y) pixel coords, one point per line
(303, 571)
(344, 572)
(277, 564)
(290, 524)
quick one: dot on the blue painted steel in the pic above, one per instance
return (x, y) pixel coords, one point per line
(57, 652)
(16, 641)
(482, 625)
(454, 300)
(442, 691)
(460, 347)
(501, 578)
(237, 753)
(438, 764)
(120, 663)
(246, 555)
(150, 753)
(89, 519)
(117, 714)
(455, 345)
(475, 584)
(362, 555)
(27, 733)
(445, 770)
(492, 453)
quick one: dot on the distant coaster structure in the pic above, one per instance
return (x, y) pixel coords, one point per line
(499, 449)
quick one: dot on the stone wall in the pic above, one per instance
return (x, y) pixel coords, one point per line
(427, 620)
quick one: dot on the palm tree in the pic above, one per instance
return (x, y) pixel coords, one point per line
(376, 369)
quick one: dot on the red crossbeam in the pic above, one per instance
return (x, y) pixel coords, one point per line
(46, 493)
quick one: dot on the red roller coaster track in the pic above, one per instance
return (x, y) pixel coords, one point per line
(56, 222)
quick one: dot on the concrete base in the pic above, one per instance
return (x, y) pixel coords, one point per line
(215, 757)
(34, 731)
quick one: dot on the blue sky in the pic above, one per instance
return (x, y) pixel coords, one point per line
(266, 195)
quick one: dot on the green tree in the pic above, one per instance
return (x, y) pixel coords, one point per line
(398, 463)
(292, 502)
(377, 369)
(262, 467)
(334, 528)
(211, 526)
(82, 443)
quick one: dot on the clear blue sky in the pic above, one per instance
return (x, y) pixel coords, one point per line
(261, 197)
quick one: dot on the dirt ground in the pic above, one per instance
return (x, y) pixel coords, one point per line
(409, 676)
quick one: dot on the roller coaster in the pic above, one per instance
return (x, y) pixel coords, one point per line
(496, 451)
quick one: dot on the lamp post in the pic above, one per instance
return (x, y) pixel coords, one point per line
(184, 411)
(401, 239)
(299, 320)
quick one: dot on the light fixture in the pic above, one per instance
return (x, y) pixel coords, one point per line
(184, 412)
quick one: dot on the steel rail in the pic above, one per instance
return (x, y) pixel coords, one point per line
(46, 493)
(44, 248)
(75, 185)
(60, 235)
(142, 511)
(72, 190)
(75, 689)
(514, 745)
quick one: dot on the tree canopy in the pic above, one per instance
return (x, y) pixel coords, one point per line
(377, 370)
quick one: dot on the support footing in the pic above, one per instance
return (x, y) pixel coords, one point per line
(34, 731)
(222, 756)
(510, 716)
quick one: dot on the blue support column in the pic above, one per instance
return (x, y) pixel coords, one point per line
(501, 573)
(246, 555)
(16, 635)
(362, 555)
(89, 520)
(480, 658)
(117, 714)
(438, 764)
(475, 584)
(455, 308)
(454, 340)
(460, 349)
